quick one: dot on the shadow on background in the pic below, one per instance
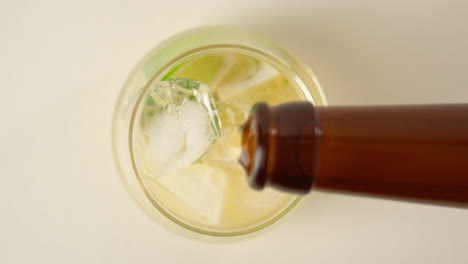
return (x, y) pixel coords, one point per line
(374, 52)
(360, 60)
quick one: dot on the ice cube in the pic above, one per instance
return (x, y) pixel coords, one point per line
(244, 203)
(166, 138)
(180, 122)
(201, 188)
(233, 116)
(260, 201)
(227, 148)
(166, 95)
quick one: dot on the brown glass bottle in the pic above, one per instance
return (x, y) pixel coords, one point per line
(417, 152)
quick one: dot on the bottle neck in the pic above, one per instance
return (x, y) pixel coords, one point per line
(414, 152)
(279, 146)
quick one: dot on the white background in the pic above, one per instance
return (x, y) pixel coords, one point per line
(62, 64)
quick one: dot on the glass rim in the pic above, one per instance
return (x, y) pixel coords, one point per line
(134, 122)
(295, 71)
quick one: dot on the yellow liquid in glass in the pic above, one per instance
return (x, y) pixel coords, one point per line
(212, 192)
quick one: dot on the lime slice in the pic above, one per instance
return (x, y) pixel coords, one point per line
(274, 91)
(207, 69)
(242, 73)
(244, 67)
(245, 73)
(220, 71)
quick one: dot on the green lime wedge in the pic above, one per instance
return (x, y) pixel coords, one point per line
(205, 69)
